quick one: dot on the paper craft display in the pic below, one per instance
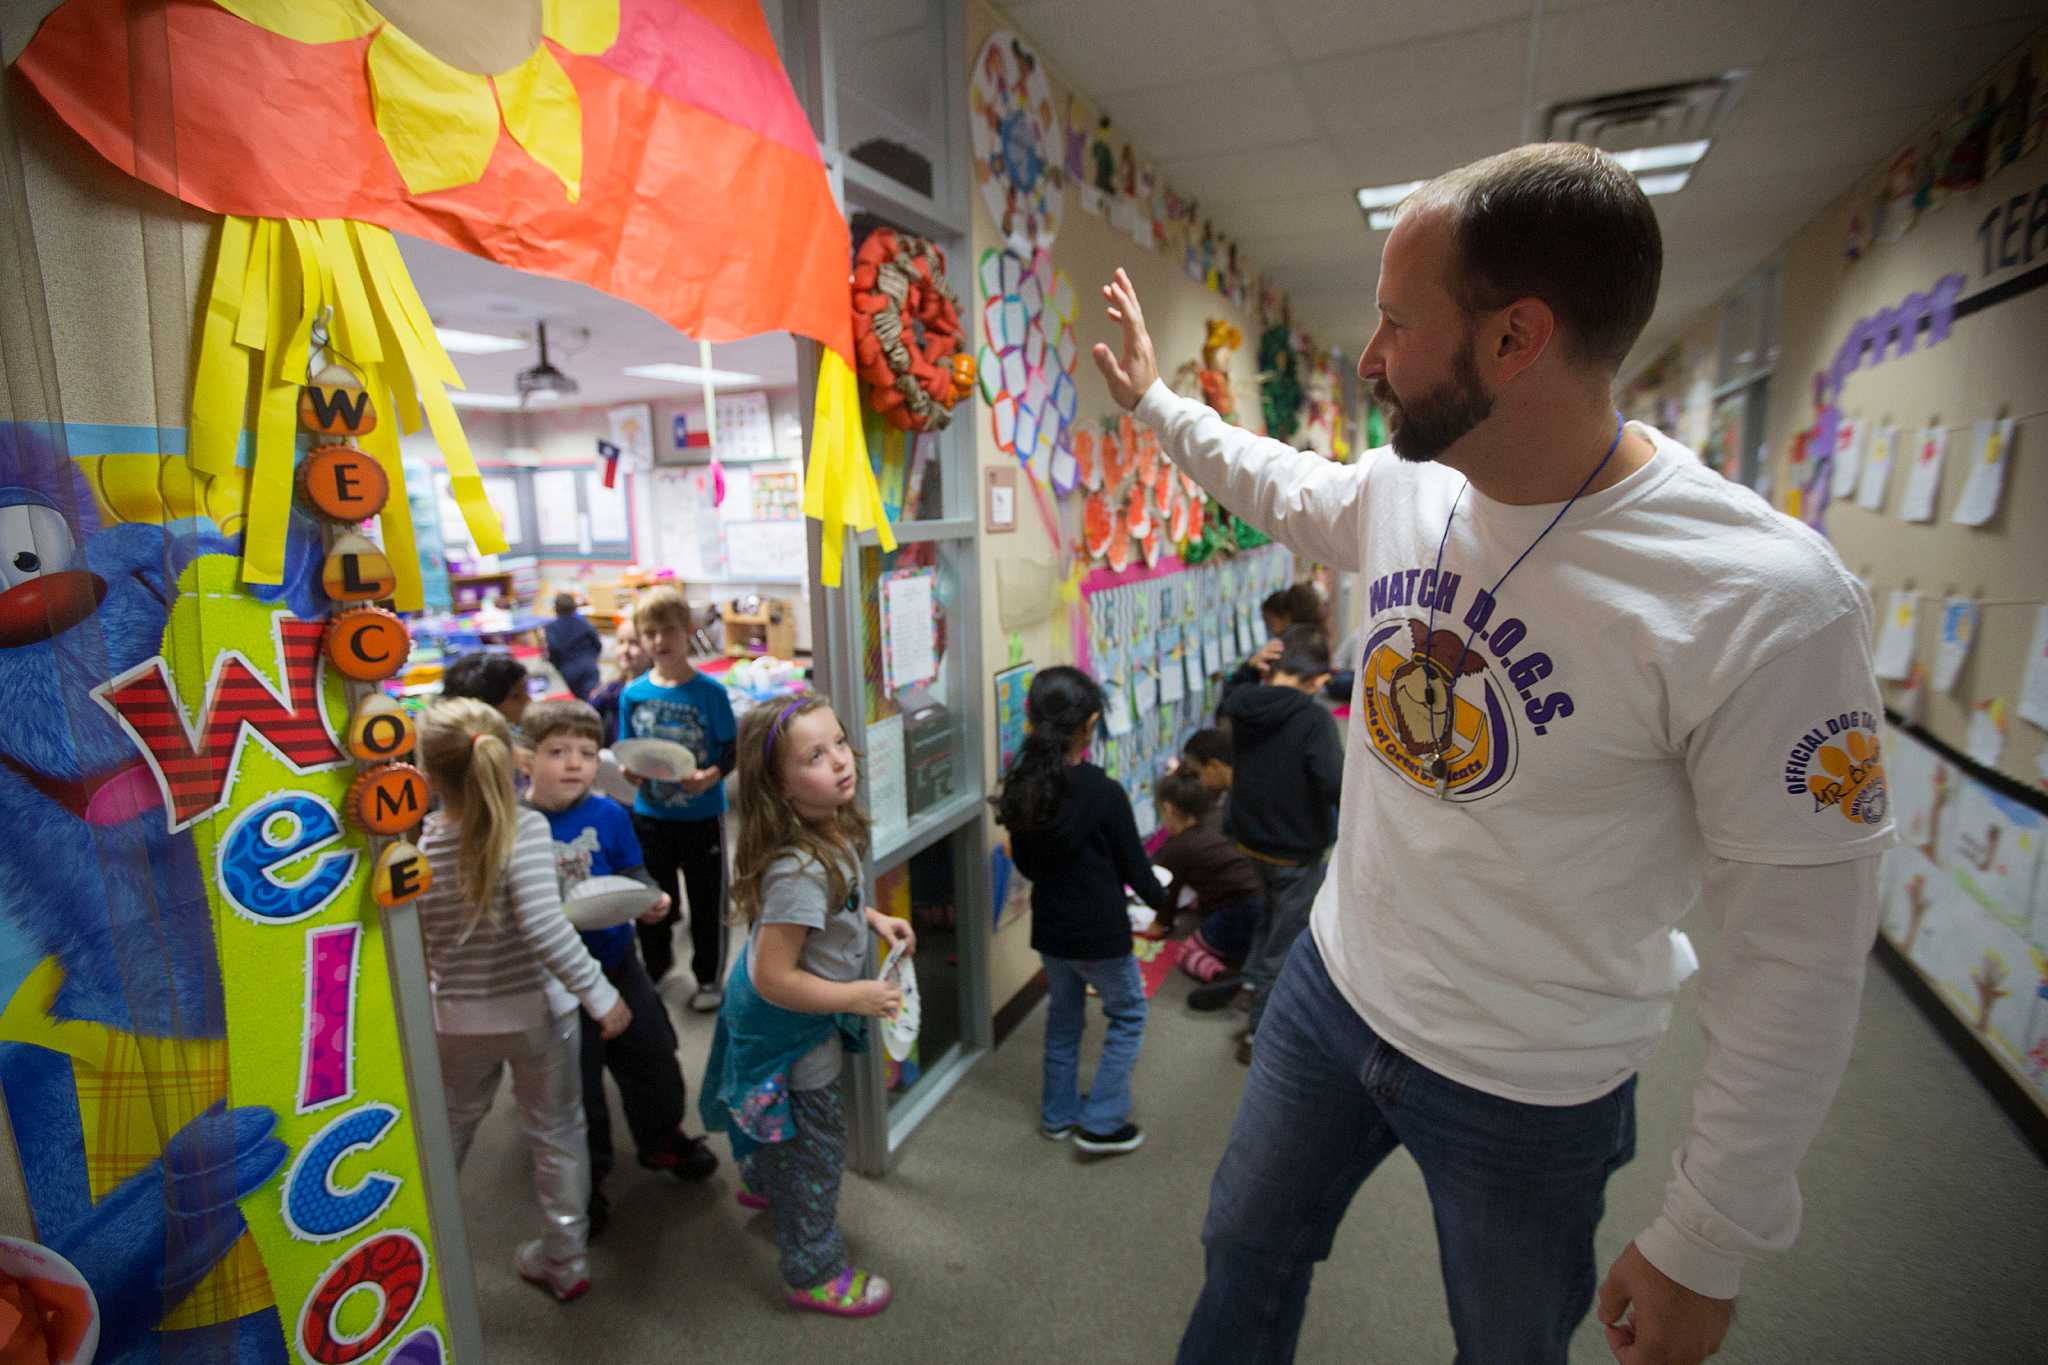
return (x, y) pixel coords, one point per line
(1923, 476)
(610, 155)
(632, 431)
(604, 902)
(1990, 453)
(2033, 705)
(1959, 618)
(899, 1030)
(887, 776)
(1895, 645)
(1875, 480)
(1017, 148)
(1026, 362)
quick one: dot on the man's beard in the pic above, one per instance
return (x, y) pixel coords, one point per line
(1433, 422)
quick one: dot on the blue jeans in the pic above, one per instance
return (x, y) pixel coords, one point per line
(1107, 1105)
(1517, 1189)
(1290, 896)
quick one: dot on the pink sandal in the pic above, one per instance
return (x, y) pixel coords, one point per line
(849, 1294)
(747, 1199)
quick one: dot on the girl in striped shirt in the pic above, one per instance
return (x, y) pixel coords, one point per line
(494, 932)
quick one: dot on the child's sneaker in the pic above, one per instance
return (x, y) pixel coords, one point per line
(707, 1000)
(688, 1158)
(1215, 995)
(565, 1282)
(1125, 1139)
(1059, 1134)
(747, 1199)
(849, 1294)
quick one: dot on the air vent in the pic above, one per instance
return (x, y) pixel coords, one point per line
(1693, 111)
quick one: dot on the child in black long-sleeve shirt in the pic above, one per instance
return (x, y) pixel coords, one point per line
(1072, 833)
(1288, 769)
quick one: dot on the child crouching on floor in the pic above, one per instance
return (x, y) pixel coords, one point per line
(798, 999)
(1209, 863)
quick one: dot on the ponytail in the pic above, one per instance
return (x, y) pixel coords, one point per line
(1063, 702)
(466, 748)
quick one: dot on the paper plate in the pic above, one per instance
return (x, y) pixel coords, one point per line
(601, 902)
(611, 779)
(899, 1035)
(661, 759)
(60, 1291)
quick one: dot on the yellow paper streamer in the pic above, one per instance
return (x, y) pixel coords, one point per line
(220, 391)
(839, 488)
(273, 280)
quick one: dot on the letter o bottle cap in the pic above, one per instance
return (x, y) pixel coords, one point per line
(343, 483)
(388, 799)
(368, 644)
(381, 729)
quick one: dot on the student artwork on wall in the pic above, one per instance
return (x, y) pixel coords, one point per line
(1019, 157)
(1990, 452)
(1026, 364)
(1964, 901)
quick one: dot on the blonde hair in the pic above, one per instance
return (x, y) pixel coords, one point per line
(662, 604)
(466, 748)
(769, 824)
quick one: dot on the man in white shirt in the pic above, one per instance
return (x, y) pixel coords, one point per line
(1599, 685)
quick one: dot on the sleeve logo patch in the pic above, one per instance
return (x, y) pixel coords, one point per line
(1837, 765)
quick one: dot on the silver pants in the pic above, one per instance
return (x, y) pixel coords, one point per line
(547, 1084)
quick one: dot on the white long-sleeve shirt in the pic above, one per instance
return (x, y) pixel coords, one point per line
(496, 979)
(1671, 700)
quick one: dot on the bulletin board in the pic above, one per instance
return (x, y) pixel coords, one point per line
(755, 535)
(1982, 362)
(1161, 641)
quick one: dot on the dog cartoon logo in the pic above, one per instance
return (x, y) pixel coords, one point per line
(1838, 765)
(1434, 711)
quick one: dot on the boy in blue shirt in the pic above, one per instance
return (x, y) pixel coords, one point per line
(679, 823)
(594, 838)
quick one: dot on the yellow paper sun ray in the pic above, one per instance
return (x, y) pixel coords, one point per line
(544, 116)
(273, 281)
(839, 487)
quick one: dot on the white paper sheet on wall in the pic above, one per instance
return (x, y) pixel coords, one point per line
(1850, 437)
(1876, 479)
(1958, 629)
(1895, 645)
(610, 518)
(1923, 476)
(764, 551)
(888, 787)
(1990, 452)
(554, 506)
(2034, 682)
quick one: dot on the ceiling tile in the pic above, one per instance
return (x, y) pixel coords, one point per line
(1876, 76)
(1110, 48)
(1429, 78)
(1393, 152)
(1317, 28)
(1845, 145)
(1328, 210)
(1631, 45)
(1266, 107)
(1284, 168)
(1822, 26)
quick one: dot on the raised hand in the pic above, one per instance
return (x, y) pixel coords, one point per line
(1129, 378)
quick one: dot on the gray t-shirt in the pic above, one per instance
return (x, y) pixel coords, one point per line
(793, 891)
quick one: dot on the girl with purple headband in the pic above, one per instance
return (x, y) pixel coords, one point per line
(799, 997)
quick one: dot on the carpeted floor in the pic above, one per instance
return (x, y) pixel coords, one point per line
(1926, 1228)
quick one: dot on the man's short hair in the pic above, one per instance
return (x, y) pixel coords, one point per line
(1209, 745)
(661, 605)
(1304, 653)
(489, 675)
(1560, 222)
(546, 719)
(1185, 793)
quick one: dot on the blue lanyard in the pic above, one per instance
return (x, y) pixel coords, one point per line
(1438, 768)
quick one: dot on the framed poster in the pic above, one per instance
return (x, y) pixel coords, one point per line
(1013, 686)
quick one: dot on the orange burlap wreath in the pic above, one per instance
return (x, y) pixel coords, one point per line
(906, 331)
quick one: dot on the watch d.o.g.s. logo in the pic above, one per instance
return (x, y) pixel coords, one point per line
(1428, 701)
(1838, 765)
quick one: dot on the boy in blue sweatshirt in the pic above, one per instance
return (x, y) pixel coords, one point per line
(680, 824)
(594, 838)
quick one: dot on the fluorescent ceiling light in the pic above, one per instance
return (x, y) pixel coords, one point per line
(1380, 220)
(478, 343)
(462, 398)
(1666, 157)
(1670, 182)
(1386, 196)
(670, 373)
